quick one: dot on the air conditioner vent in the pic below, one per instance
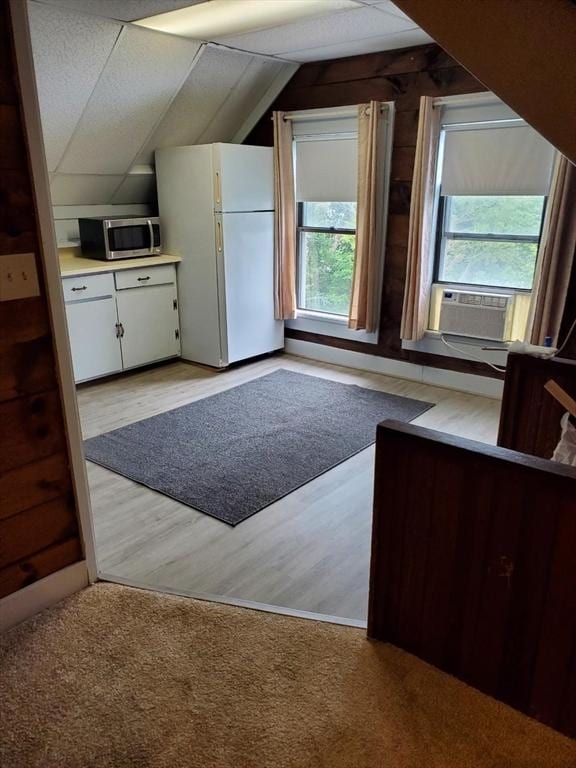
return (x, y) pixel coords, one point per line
(471, 313)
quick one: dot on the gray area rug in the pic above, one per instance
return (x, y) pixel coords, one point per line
(232, 454)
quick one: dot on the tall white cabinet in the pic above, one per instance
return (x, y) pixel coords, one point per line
(216, 206)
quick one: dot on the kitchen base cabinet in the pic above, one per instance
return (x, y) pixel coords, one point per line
(93, 337)
(149, 324)
(118, 321)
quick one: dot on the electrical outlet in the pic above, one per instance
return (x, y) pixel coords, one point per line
(18, 276)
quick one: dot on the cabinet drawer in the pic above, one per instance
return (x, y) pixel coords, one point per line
(88, 287)
(140, 278)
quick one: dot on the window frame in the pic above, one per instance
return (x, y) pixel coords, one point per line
(443, 235)
(301, 229)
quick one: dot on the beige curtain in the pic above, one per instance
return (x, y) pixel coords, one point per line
(555, 255)
(284, 221)
(420, 265)
(365, 283)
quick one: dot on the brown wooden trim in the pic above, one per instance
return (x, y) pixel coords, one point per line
(353, 68)
(393, 351)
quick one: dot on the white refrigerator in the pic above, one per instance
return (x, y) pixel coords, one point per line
(216, 205)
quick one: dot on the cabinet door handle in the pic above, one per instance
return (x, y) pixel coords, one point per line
(143, 279)
(121, 330)
(79, 288)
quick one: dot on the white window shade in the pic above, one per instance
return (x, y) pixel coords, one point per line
(326, 170)
(496, 161)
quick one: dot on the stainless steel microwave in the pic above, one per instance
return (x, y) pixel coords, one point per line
(118, 238)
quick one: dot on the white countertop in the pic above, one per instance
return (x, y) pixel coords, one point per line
(72, 266)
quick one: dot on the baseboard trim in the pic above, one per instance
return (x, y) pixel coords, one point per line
(423, 374)
(235, 601)
(42, 594)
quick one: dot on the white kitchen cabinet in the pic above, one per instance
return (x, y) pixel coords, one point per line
(122, 320)
(93, 337)
(149, 324)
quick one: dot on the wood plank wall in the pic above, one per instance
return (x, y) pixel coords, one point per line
(473, 566)
(530, 416)
(38, 526)
(401, 76)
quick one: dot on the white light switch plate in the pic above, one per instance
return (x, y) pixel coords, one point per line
(18, 276)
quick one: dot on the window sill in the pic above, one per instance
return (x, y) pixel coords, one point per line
(324, 324)
(432, 344)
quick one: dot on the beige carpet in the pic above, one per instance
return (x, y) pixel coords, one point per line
(118, 677)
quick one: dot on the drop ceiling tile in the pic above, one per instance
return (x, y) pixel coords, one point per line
(209, 84)
(241, 101)
(385, 5)
(144, 72)
(68, 189)
(367, 45)
(341, 27)
(124, 10)
(138, 188)
(70, 51)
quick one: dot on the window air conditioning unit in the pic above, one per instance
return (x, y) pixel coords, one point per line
(471, 313)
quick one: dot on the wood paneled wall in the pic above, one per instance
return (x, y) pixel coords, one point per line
(38, 525)
(530, 416)
(401, 76)
(473, 566)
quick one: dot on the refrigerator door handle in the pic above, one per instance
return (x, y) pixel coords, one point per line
(219, 243)
(218, 189)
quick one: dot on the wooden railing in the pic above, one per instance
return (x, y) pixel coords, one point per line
(474, 566)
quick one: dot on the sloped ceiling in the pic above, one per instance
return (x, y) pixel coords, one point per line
(532, 61)
(123, 10)
(372, 25)
(112, 93)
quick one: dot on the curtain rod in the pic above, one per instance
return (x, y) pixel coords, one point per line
(298, 117)
(467, 98)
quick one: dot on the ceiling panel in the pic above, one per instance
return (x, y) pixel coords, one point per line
(68, 189)
(124, 10)
(341, 27)
(70, 52)
(140, 79)
(137, 188)
(385, 5)
(405, 39)
(242, 100)
(212, 80)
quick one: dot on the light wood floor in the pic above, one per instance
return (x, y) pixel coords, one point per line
(309, 551)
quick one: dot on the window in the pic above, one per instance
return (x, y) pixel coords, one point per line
(325, 155)
(326, 240)
(494, 177)
(489, 240)
(326, 183)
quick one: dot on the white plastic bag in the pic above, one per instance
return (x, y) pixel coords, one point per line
(565, 451)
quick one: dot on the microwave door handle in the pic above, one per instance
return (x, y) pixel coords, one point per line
(151, 231)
